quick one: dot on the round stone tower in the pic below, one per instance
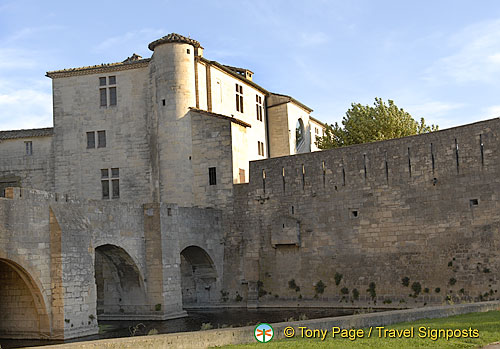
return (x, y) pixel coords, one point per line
(172, 76)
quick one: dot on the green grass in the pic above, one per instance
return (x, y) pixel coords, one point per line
(488, 325)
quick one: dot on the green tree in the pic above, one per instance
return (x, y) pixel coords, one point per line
(364, 123)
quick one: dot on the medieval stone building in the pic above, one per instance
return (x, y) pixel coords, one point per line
(176, 181)
(175, 128)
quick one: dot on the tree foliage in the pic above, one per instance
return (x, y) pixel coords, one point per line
(364, 123)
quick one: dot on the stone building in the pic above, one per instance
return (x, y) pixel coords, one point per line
(174, 128)
(176, 181)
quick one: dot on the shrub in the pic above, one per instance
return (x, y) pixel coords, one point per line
(437, 290)
(344, 290)
(206, 326)
(453, 281)
(355, 294)
(371, 290)
(405, 281)
(319, 288)
(417, 288)
(338, 278)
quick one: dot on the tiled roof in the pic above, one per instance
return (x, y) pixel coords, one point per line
(173, 37)
(237, 69)
(293, 100)
(235, 74)
(130, 63)
(317, 121)
(220, 116)
(34, 132)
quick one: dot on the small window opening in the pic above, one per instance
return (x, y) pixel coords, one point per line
(474, 202)
(264, 180)
(303, 177)
(354, 213)
(293, 210)
(188, 51)
(163, 102)
(481, 146)
(432, 158)
(212, 176)
(169, 211)
(324, 175)
(386, 168)
(456, 154)
(283, 176)
(409, 162)
(364, 165)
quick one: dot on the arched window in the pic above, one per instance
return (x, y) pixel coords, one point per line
(299, 132)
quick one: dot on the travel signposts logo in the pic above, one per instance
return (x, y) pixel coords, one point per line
(263, 333)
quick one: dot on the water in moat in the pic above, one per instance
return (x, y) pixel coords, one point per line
(217, 318)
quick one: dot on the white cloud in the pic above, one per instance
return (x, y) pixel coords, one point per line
(11, 58)
(28, 107)
(435, 112)
(476, 56)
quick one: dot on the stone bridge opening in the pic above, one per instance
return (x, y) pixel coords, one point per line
(120, 286)
(198, 276)
(23, 313)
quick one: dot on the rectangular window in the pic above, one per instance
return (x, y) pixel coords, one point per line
(242, 175)
(112, 96)
(114, 182)
(29, 147)
(90, 140)
(101, 139)
(116, 188)
(104, 98)
(105, 189)
(105, 90)
(212, 176)
(260, 146)
(258, 106)
(239, 98)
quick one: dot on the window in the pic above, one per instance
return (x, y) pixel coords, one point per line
(239, 98)
(316, 130)
(212, 176)
(90, 140)
(242, 175)
(101, 139)
(29, 147)
(104, 98)
(260, 146)
(112, 96)
(114, 181)
(299, 133)
(258, 105)
(106, 90)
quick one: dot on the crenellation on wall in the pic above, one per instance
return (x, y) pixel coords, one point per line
(381, 225)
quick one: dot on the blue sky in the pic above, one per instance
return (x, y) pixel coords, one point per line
(436, 59)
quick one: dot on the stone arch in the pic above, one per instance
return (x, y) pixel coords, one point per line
(198, 276)
(23, 309)
(121, 292)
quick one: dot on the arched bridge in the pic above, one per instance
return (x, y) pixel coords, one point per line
(65, 264)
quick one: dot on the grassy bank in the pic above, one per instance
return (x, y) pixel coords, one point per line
(487, 326)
